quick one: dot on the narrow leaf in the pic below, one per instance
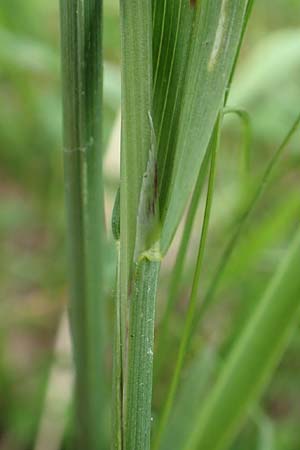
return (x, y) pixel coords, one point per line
(173, 22)
(194, 388)
(252, 360)
(218, 26)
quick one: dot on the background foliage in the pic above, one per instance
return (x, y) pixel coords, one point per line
(32, 220)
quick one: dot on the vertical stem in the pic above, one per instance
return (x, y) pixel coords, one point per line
(140, 356)
(136, 39)
(81, 43)
(137, 281)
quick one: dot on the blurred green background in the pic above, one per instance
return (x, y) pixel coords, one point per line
(33, 276)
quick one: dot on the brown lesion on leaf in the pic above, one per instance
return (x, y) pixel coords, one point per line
(193, 3)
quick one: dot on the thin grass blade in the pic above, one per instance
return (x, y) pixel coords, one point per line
(215, 39)
(253, 358)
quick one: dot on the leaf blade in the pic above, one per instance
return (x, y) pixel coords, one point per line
(215, 40)
(253, 358)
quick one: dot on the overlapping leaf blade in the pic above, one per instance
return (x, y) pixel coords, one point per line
(173, 21)
(200, 68)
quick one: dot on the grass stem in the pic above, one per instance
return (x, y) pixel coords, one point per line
(140, 356)
(81, 42)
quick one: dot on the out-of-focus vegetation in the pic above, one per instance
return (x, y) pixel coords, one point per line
(32, 220)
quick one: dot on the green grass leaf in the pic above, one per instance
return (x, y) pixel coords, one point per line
(195, 383)
(252, 359)
(216, 32)
(172, 27)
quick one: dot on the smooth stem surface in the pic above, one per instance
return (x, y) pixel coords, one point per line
(81, 42)
(140, 356)
(194, 293)
(265, 180)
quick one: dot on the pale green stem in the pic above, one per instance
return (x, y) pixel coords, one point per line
(137, 277)
(140, 356)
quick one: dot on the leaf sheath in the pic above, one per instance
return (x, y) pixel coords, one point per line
(140, 356)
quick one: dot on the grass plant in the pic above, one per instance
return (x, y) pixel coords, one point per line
(178, 59)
